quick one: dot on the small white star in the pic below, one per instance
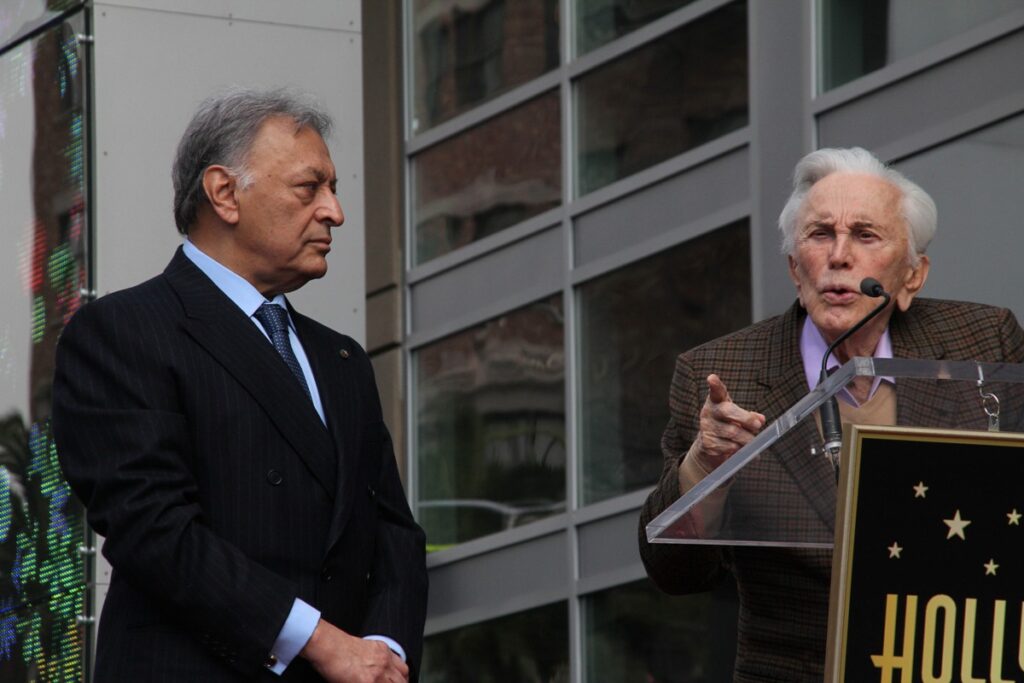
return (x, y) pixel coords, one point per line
(991, 567)
(895, 550)
(956, 526)
(920, 489)
(1014, 517)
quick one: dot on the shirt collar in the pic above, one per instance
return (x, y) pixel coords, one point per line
(234, 286)
(813, 347)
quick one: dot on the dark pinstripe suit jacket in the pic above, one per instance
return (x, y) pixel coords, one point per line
(784, 592)
(221, 494)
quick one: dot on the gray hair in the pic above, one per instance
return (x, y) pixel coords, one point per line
(917, 208)
(221, 133)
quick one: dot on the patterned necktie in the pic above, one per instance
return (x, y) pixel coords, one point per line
(275, 321)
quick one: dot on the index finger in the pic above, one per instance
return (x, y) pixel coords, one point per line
(717, 393)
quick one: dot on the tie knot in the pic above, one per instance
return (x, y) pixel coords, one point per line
(273, 318)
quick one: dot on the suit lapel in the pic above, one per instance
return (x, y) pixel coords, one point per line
(330, 359)
(784, 385)
(920, 402)
(227, 334)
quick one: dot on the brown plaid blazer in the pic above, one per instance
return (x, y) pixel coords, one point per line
(783, 593)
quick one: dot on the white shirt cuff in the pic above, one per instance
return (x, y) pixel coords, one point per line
(392, 645)
(296, 632)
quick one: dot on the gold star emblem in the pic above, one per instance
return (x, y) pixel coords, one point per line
(1014, 517)
(920, 489)
(991, 567)
(956, 526)
(895, 550)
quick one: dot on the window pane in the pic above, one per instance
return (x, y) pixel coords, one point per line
(860, 36)
(635, 634)
(602, 21)
(42, 271)
(528, 647)
(633, 324)
(467, 51)
(488, 178)
(491, 425)
(676, 93)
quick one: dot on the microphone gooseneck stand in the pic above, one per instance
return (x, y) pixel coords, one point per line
(831, 426)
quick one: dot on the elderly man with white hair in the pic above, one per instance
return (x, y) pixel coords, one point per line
(849, 217)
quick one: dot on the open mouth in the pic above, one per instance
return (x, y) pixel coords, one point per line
(839, 294)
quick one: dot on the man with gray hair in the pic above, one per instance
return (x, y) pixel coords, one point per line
(231, 450)
(849, 217)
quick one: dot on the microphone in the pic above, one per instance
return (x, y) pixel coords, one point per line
(831, 426)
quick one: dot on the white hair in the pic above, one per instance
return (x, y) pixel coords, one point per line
(917, 208)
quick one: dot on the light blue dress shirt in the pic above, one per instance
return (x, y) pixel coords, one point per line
(813, 347)
(303, 618)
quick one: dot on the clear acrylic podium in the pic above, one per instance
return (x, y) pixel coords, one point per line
(788, 497)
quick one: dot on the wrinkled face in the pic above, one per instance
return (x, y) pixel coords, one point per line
(285, 215)
(850, 227)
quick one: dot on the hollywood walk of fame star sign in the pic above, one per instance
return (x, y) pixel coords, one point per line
(953, 499)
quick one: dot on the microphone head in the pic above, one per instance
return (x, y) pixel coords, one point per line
(872, 287)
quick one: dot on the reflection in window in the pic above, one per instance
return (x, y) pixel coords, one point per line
(635, 634)
(467, 51)
(488, 178)
(682, 90)
(861, 36)
(602, 21)
(42, 270)
(491, 425)
(633, 324)
(528, 647)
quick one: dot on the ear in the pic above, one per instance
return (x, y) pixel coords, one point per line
(795, 277)
(912, 283)
(221, 189)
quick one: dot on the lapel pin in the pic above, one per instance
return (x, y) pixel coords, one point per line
(343, 353)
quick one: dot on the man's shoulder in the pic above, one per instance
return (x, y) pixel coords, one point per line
(957, 329)
(942, 311)
(152, 298)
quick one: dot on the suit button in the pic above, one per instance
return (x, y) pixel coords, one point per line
(373, 494)
(343, 353)
(274, 477)
(325, 574)
(271, 661)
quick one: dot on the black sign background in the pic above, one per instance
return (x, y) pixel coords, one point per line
(984, 481)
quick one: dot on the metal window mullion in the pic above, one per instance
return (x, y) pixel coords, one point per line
(570, 334)
(408, 374)
(813, 47)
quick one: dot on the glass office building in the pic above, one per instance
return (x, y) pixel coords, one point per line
(589, 188)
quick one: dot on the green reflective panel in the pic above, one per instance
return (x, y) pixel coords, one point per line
(42, 271)
(861, 36)
(527, 647)
(633, 323)
(490, 421)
